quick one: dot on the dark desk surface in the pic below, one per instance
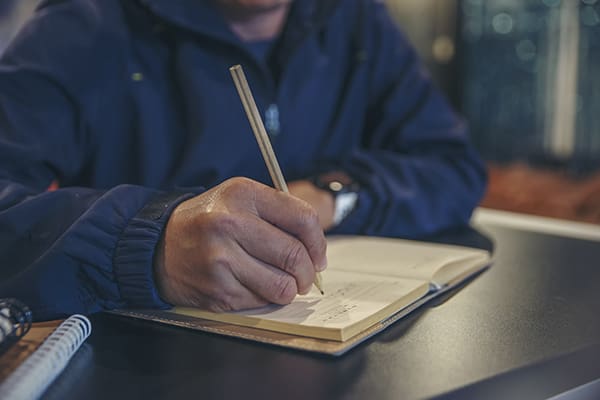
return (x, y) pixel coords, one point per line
(527, 328)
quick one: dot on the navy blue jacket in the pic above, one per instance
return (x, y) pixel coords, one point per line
(129, 106)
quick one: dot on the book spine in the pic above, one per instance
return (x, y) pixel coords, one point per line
(38, 371)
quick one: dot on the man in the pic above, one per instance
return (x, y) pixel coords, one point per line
(129, 107)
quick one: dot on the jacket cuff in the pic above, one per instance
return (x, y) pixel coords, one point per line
(133, 261)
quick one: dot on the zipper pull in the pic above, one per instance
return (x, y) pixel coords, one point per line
(272, 124)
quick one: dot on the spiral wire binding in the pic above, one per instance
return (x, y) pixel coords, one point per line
(15, 321)
(38, 371)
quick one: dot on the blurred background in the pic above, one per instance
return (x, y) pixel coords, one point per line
(525, 74)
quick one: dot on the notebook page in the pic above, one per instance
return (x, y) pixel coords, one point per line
(351, 299)
(396, 257)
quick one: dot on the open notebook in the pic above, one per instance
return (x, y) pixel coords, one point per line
(370, 282)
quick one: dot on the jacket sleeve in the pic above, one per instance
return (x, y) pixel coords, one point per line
(75, 249)
(418, 171)
(78, 250)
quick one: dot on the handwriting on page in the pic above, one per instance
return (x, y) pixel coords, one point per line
(348, 298)
(341, 304)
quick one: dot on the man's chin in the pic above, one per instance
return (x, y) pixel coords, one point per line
(253, 6)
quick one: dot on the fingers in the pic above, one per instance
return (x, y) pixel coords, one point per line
(297, 218)
(276, 248)
(234, 280)
(239, 245)
(230, 298)
(263, 280)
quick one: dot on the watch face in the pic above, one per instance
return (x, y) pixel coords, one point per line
(344, 191)
(335, 186)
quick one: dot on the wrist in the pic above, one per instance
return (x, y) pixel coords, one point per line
(342, 189)
(134, 255)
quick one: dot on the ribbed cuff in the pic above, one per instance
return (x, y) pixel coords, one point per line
(133, 260)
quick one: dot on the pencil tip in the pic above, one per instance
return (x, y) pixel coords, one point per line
(319, 283)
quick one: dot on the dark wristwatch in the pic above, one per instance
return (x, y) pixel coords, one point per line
(344, 191)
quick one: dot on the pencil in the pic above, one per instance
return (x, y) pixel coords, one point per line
(243, 89)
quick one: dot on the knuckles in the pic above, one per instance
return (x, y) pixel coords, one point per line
(297, 263)
(239, 187)
(221, 301)
(218, 223)
(283, 289)
(308, 218)
(293, 258)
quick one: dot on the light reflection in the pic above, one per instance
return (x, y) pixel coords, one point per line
(589, 16)
(524, 48)
(502, 23)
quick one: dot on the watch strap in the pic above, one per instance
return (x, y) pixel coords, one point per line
(344, 192)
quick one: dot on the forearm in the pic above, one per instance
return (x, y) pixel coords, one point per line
(81, 250)
(413, 195)
(417, 170)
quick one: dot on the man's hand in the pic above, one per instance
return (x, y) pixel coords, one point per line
(239, 245)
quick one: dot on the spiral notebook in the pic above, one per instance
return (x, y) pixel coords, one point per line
(31, 364)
